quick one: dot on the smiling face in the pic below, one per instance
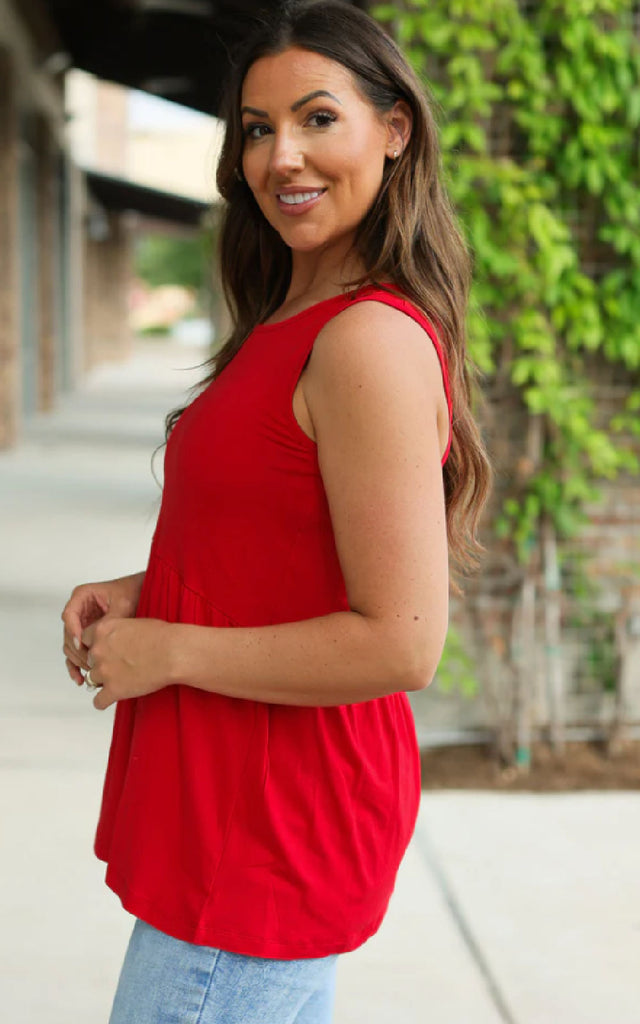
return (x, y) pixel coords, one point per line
(314, 147)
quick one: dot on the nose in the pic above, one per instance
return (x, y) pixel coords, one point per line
(286, 153)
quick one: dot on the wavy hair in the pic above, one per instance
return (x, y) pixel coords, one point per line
(408, 238)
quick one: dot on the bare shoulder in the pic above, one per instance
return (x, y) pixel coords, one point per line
(371, 322)
(376, 348)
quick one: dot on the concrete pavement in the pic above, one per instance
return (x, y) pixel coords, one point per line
(520, 908)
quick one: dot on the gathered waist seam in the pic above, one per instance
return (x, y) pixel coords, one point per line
(160, 558)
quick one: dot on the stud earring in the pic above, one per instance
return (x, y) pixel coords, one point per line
(395, 154)
(238, 175)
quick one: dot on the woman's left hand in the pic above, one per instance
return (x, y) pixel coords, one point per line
(127, 657)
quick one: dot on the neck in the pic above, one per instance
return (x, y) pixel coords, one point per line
(322, 273)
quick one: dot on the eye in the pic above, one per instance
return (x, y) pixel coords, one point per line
(257, 130)
(323, 117)
(249, 129)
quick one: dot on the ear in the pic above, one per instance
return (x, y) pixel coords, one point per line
(399, 125)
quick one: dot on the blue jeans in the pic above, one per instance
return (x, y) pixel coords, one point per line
(167, 981)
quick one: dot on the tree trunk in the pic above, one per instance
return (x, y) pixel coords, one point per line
(523, 654)
(627, 631)
(556, 691)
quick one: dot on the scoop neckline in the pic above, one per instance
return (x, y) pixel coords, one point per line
(309, 309)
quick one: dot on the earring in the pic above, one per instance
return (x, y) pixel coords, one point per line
(238, 175)
(395, 154)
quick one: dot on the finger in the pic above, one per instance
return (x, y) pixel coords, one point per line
(91, 682)
(73, 656)
(72, 622)
(102, 700)
(88, 635)
(74, 672)
(78, 659)
(70, 640)
(84, 607)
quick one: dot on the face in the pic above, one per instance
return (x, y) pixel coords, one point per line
(314, 147)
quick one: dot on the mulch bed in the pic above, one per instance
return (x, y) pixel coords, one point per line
(585, 766)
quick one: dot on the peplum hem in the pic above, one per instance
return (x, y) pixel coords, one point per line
(233, 940)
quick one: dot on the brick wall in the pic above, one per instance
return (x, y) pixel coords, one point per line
(47, 210)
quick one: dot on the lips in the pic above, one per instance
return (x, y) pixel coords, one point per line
(287, 194)
(291, 206)
(292, 190)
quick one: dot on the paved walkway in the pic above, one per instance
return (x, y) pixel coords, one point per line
(508, 908)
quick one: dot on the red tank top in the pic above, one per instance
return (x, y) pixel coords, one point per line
(263, 829)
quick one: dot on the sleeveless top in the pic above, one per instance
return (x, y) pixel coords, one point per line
(263, 829)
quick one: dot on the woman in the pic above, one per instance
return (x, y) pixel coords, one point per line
(263, 780)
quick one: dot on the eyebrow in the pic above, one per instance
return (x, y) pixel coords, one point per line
(294, 106)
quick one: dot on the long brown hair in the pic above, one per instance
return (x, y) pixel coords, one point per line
(409, 237)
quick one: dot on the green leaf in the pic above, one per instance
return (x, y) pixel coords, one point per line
(593, 176)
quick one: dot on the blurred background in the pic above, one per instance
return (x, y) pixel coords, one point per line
(110, 304)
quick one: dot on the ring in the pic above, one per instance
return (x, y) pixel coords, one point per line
(89, 681)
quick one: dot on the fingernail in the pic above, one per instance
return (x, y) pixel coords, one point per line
(76, 643)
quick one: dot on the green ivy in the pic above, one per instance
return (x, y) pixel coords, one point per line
(457, 670)
(565, 74)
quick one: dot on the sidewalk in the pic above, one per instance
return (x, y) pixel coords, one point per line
(509, 908)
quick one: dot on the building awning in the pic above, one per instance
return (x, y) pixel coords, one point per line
(120, 195)
(176, 49)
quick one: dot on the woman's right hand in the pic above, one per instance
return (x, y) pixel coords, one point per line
(90, 602)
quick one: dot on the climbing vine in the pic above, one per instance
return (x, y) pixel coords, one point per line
(560, 81)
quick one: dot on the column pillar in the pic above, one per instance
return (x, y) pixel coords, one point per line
(47, 257)
(9, 266)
